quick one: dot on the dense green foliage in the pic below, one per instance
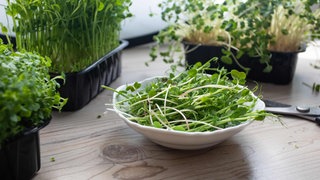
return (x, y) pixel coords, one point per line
(27, 94)
(251, 27)
(193, 21)
(191, 101)
(73, 33)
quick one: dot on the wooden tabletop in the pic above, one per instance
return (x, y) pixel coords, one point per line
(91, 144)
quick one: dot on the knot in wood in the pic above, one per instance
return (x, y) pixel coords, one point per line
(122, 153)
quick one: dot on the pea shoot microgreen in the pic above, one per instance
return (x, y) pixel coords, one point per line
(190, 101)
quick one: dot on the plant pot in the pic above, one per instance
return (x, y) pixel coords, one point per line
(283, 63)
(81, 87)
(204, 53)
(283, 68)
(20, 156)
(201, 53)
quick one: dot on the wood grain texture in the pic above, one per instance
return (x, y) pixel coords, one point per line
(91, 144)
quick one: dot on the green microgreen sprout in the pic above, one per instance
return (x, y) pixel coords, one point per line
(190, 101)
(73, 33)
(289, 29)
(315, 86)
(27, 91)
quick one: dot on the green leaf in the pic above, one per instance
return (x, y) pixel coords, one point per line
(226, 59)
(157, 124)
(208, 29)
(179, 128)
(239, 54)
(164, 54)
(130, 88)
(192, 72)
(152, 93)
(240, 111)
(238, 75)
(267, 69)
(204, 99)
(101, 6)
(4, 29)
(136, 85)
(285, 31)
(260, 117)
(171, 75)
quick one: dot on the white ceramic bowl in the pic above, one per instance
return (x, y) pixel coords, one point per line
(178, 139)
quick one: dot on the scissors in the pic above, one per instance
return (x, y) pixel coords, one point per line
(306, 112)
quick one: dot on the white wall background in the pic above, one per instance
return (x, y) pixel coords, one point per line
(3, 17)
(142, 23)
